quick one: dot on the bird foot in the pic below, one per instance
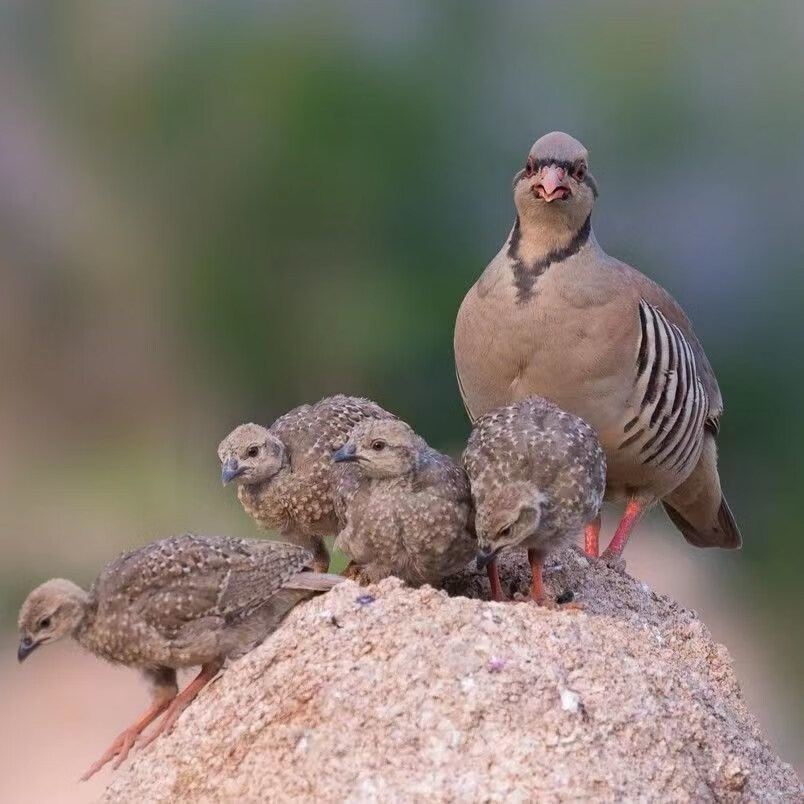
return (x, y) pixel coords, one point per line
(354, 572)
(547, 602)
(613, 560)
(166, 724)
(119, 748)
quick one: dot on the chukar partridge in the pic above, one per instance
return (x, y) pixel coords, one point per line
(405, 508)
(538, 475)
(180, 602)
(283, 472)
(554, 315)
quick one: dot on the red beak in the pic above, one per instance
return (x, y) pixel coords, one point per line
(551, 184)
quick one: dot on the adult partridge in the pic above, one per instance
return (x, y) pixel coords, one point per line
(538, 475)
(554, 315)
(283, 472)
(405, 509)
(184, 601)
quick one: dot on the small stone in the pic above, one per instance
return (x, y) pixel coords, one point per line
(570, 701)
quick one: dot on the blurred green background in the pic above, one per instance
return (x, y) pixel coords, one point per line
(211, 212)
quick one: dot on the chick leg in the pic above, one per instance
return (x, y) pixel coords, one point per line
(320, 556)
(591, 536)
(493, 571)
(126, 739)
(634, 510)
(182, 700)
(536, 585)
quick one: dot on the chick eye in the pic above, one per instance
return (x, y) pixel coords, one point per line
(505, 532)
(579, 171)
(252, 452)
(378, 445)
(44, 623)
(530, 167)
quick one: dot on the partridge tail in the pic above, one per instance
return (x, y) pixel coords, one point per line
(721, 533)
(699, 509)
(314, 581)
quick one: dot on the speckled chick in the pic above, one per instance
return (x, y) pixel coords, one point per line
(406, 509)
(283, 472)
(538, 475)
(184, 601)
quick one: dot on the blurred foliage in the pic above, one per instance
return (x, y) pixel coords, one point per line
(213, 212)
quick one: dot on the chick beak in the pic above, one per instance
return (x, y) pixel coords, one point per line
(230, 470)
(551, 184)
(348, 452)
(484, 557)
(27, 646)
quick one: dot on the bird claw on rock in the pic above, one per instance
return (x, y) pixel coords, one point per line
(617, 563)
(119, 748)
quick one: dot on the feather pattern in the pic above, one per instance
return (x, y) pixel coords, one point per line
(667, 427)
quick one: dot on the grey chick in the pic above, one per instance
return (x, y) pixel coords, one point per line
(554, 315)
(406, 509)
(538, 475)
(179, 602)
(283, 472)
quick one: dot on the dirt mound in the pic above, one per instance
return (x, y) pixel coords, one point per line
(385, 693)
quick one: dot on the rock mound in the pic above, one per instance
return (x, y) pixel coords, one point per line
(384, 693)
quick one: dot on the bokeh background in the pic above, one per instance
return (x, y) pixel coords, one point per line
(211, 212)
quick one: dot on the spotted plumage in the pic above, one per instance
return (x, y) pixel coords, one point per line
(405, 508)
(554, 315)
(283, 472)
(184, 601)
(537, 476)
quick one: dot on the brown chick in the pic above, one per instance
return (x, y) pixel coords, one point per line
(405, 509)
(538, 475)
(180, 602)
(283, 472)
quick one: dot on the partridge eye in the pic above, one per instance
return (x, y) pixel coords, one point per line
(505, 532)
(252, 452)
(579, 171)
(378, 445)
(44, 622)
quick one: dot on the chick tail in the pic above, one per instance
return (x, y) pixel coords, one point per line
(314, 581)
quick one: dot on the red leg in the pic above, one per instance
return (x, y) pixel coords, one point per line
(537, 588)
(493, 572)
(633, 513)
(590, 536)
(182, 700)
(126, 739)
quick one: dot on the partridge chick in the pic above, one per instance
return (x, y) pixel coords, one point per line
(554, 315)
(405, 508)
(283, 472)
(538, 475)
(180, 602)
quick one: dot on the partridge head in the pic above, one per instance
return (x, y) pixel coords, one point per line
(52, 611)
(555, 188)
(383, 448)
(251, 454)
(510, 517)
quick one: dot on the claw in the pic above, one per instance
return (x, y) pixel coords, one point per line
(119, 748)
